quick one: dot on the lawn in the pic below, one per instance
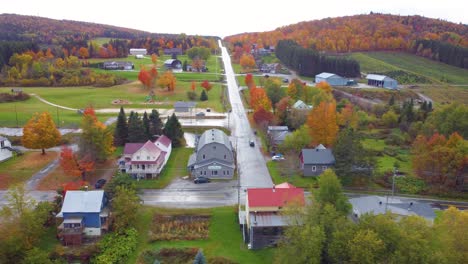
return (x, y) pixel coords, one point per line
(176, 167)
(225, 238)
(274, 168)
(19, 169)
(433, 70)
(386, 162)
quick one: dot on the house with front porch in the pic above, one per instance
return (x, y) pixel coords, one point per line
(145, 160)
(262, 222)
(83, 214)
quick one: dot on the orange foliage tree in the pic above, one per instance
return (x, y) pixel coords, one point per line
(348, 117)
(249, 81)
(148, 77)
(247, 61)
(154, 58)
(259, 99)
(194, 85)
(324, 86)
(40, 132)
(167, 80)
(73, 165)
(206, 85)
(263, 117)
(96, 139)
(322, 123)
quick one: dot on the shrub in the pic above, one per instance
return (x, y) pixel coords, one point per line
(115, 248)
(7, 97)
(191, 95)
(411, 185)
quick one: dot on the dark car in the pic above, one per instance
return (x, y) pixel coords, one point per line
(285, 80)
(100, 183)
(201, 180)
(252, 143)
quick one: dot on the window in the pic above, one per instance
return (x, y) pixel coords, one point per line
(314, 168)
(224, 156)
(138, 157)
(203, 156)
(204, 173)
(324, 168)
(214, 172)
(147, 157)
(201, 172)
(138, 166)
(227, 172)
(214, 147)
(224, 172)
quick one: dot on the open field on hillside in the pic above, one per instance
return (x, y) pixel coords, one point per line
(390, 61)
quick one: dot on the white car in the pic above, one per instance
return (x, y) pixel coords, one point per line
(277, 157)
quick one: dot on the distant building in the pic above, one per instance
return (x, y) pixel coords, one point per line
(270, 68)
(262, 222)
(400, 207)
(173, 51)
(315, 161)
(381, 81)
(118, 65)
(138, 52)
(331, 78)
(181, 106)
(301, 105)
(6, 151)
(173, 64)
(213, 157)
(277, 134)
(84, 213)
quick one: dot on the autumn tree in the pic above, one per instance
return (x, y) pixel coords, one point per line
(40, 132)
(96, 139)
(148, 77)
(167, 80)
(206, 85)
(282, 108)
(259, 99)
(247, 61)
(125, 204)
(263, 118)
(296, 141)
(154, 58)
(193, 86)
(322, 122)
(274, 91)
(249, 81)
(73, 165)
(348, 117)
(83, 53)
(324, 86)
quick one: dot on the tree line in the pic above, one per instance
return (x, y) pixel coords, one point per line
(441, 51)
(309, 62)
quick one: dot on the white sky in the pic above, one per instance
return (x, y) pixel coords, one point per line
(224, 18)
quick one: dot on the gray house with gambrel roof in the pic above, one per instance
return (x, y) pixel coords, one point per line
(315, 161)
(213, 157)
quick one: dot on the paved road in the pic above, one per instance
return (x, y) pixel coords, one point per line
(250, 163)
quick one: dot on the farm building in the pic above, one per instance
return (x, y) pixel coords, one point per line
(181, 106)
(173, 64)
(6, 151)
(331, 78)
(381, 81)
(138, 52)
(118, 65)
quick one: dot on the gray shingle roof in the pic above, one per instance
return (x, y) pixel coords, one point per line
(213, 135)
(318, 156)
(83, 201)
(325, 75)
(184, 104)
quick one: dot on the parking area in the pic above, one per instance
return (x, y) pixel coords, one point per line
(180, 183)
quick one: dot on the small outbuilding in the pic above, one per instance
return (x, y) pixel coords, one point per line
(181, 106)
(331, 78)
(118, 65)
(173, 64)
(138, 52)
(381, 81)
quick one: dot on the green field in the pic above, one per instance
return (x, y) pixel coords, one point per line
(390, 61)
(276, 171)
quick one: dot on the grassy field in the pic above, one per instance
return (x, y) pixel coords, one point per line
(19, 169)
(225, 238)
(176, 167)
(433, 70)
(274, 168)
(386, 162)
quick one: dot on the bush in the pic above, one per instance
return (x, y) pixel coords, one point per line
(390, 151)
(411, 185)
(115, 248)
(191, 95)
(7, 97)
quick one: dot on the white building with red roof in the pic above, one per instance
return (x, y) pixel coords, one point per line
(145, 160)
(264, 222)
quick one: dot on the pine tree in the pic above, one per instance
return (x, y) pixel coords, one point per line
(155, 124)
(199, 258)
(135, 129)
(121, 129)
(203, 96)
(146, 126)
(173, 130)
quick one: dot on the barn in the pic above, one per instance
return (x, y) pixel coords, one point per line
(173, 64)
(331, 78)
(381, 81)
(138, 52)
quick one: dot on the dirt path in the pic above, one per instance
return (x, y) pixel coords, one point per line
(52, 104)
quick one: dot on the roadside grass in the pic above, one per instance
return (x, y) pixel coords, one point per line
(19, 169)
(175, 167)
(274, 168)
(444, 94)
(225, 238)
(433, 70)
(200, 130)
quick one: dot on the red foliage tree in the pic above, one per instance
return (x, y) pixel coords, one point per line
(74, 166)
(263, 118)
(249, 81)
(206, 85)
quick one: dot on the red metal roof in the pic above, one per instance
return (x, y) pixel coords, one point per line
(131, 148)
(285, 185)
(260, 197)
(164, 140)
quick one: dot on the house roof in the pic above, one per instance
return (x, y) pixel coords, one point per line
(171, 61)
(265, 197)
(317, 156)
(378, 77)
(214, 136)
(131, 148)
(378, 205)
(267, 219)
(326, 75)
(3, 138)
(164, 140)
(150, 146)
(278, 128)
(301, 103)
(285, 185)
(83, 201)
(184, 104)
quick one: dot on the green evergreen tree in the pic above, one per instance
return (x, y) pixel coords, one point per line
(199, 258)
(135, 129)
(203, 96)
(121, 129)
(146, 126)
(173, 130)
(391, 102)
(155, 124)
(184, 65)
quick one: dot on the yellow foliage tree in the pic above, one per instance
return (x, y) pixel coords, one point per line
(167, 80)
(40, 132)
(322, 122)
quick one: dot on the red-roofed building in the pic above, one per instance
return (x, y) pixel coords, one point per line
(145, 160)
(264, 222)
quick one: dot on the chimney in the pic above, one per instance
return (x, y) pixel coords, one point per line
(273, 188)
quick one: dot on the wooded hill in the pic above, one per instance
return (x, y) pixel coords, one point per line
(372, 32)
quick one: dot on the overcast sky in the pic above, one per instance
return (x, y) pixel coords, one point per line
(224, 18)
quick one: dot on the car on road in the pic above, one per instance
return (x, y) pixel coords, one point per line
(201, 180)
(100, 183)
(277, 157)
(251, 143)
(285, 80)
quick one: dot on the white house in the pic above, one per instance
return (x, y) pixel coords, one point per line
(5, 149)
(146, 160)
(301, 105)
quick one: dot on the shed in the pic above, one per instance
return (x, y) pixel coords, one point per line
(181, 106)
(331, 78)
(173, 64)
(381, 81)
(138, 52)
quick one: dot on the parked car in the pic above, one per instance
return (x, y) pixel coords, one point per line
(285, 80)
(208, 109)
(100, 183)
(252, 143)
(277, 157)
(201, 180)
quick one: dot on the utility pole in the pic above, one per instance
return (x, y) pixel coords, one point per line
(16, 114)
